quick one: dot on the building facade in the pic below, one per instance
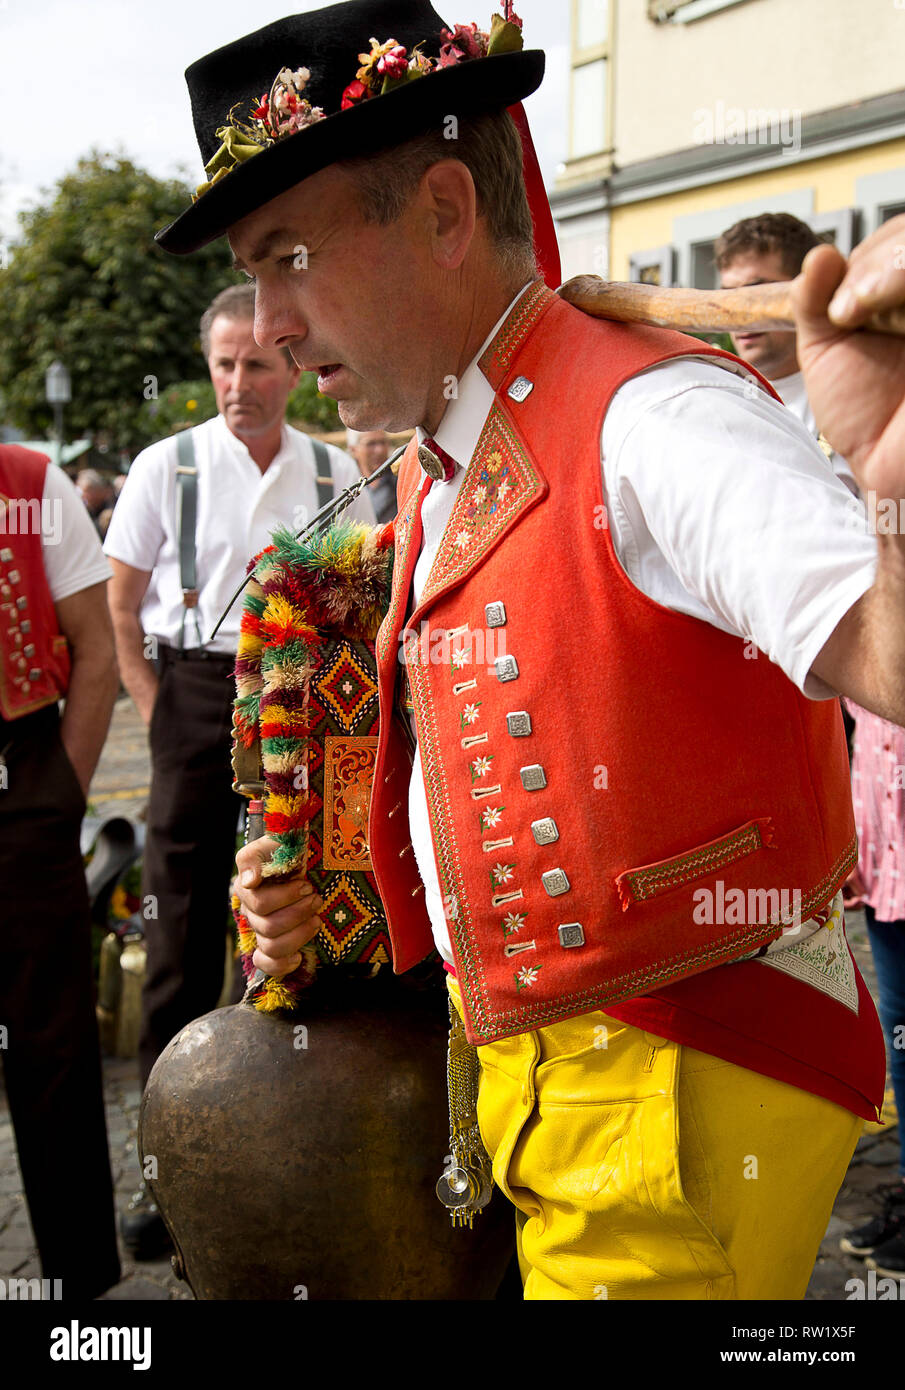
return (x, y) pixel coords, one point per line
(687, 115)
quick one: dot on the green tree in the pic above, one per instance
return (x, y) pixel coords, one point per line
(308, 407)
(87, 283)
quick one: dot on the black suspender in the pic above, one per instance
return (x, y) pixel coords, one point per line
(186, 521)
(323, 467)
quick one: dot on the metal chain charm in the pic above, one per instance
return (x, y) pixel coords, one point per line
(466, 1186)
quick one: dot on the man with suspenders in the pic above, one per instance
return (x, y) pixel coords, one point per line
(196, 507)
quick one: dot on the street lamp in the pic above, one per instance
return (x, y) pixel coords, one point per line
(58, 390)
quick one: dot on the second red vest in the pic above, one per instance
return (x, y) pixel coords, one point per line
(34, 655)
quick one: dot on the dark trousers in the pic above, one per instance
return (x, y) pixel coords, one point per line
(189, 856)
(51, 1052)
(887, 944)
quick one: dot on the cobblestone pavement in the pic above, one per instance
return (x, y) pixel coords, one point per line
(123, 777)
(120, 787)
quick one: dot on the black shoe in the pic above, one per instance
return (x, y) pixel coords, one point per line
(889, 1258)
(882, 1229)
(142, 1228)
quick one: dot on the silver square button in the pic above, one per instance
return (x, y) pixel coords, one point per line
(520, 389)
(544, 831)
(571, 934)
(534, 779)
(518, 722)
(555, 882)
(506, 668)
(495, 614)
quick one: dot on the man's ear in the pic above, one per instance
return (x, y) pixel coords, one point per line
(449, 191)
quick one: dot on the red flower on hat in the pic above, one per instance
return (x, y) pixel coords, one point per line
(354, 93)
(393, 63)
(463, 41)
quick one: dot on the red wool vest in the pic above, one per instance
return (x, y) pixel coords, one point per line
(34, 655)
(588, 779)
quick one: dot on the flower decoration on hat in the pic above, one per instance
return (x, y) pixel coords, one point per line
(387, 66)
(285, 110)
(465, 41)
(281, 111)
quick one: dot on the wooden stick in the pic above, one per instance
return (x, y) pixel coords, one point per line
(753, 308)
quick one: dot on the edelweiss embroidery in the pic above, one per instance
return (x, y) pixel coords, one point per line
(486, 498)
(526, 976)
(501, 873)
(480, 767)
(513, 922)
(469, 714)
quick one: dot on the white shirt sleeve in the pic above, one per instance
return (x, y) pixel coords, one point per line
(136, 531)
(841, 468)
(70, 545)
(721, 506)
(346, 472)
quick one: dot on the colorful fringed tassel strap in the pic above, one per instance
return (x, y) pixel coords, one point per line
(306, 682)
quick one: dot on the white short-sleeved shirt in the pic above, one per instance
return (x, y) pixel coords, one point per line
(795, 396)
(238, 509)
(720, 505)
(70, 545)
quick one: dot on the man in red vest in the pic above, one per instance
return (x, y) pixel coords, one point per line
(56, 643)
(625, 589)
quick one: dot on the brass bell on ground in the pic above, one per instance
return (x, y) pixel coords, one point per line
(123, 964)
(297, 1156)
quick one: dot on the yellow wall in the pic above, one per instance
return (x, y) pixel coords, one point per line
(642, 226)
(797, 55)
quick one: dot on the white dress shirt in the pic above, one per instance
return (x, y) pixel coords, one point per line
(794, 395)
(720, 505)
(238, 508)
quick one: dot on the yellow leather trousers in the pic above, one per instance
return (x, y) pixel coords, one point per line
(642, 1169)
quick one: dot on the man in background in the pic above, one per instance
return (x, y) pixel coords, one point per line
(98, 497)
(763, 250)
(237, 476)
(370, 449)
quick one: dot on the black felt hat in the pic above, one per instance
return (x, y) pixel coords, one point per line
(328, 43)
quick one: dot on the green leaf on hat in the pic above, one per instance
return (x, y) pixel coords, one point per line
(505, 37)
